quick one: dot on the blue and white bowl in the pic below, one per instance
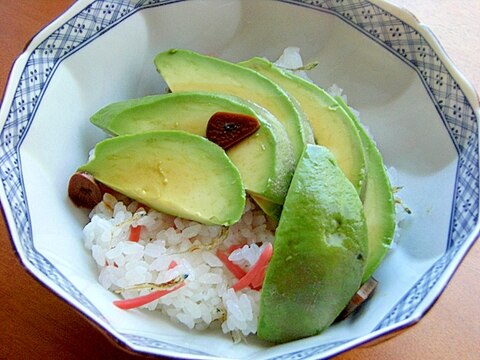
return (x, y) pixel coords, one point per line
(421, 111)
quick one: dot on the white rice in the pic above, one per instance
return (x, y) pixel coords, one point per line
(207, 299)
(291, 60)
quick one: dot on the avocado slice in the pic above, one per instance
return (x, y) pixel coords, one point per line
(271, 209)
(264, 159)
(185, 70)
(174, 172)
(378, 203)
(319, 254)
(331, 125)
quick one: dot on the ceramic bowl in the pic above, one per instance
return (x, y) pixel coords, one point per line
(420, 110)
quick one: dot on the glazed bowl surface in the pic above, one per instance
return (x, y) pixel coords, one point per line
(420, 110)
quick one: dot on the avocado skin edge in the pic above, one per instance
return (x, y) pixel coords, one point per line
(379, 202)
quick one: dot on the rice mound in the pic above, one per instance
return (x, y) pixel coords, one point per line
(207, 298)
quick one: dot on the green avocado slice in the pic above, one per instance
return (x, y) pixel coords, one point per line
(271, 209)
(378, 203)
(185, 70)
(265, 159)
(319, 251)
(174, 172)
(331, 125)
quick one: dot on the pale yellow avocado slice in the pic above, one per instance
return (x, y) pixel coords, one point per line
(185, 70)
(265, 159)
(174, 172)
(378, 204)
(331, 125)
